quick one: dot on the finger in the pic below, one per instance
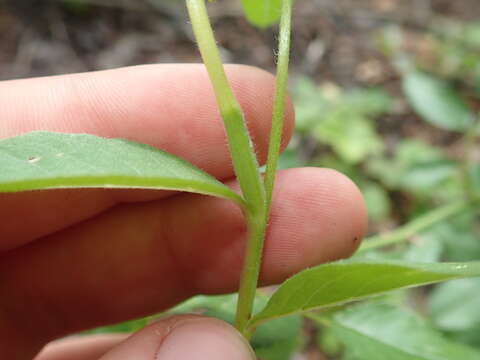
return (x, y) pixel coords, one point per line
(140, 259)
(81, 348)
(184, 337)
(171, 107)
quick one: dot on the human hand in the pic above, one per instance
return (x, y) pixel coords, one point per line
(76, 259)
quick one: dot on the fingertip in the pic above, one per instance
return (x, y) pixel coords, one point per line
(184, 337)
(321, 217)
(89, 347)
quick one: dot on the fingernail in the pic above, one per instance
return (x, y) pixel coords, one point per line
(196, 340)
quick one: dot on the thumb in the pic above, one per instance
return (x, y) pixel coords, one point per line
(184, 337)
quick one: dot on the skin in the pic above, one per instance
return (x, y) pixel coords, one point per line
(76, 259)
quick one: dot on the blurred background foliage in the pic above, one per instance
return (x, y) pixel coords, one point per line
(385, 91)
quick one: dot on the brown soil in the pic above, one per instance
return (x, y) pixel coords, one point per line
(332, 37)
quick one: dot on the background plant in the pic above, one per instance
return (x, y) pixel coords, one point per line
(404, 179)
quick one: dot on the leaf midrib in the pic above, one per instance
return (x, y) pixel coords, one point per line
(117, 181)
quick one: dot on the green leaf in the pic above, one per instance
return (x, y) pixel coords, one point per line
(344, 281)
(474, 178)
(353, 140)
(420, 168)
(290, 159)
(457, 236)
(379, 331)
(263, 13)
(341, 119)
(45, 160)
(424, 249)
(125, 327)
(329, 343)
(469, 336)
(437, 102)
(377, 200)
(454, 305)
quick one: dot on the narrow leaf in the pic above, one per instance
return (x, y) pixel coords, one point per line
(262, 13)
(337, 283)
(45, 160)
(381, 331)
(437, 102)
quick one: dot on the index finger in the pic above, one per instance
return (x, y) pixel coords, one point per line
(171, 107)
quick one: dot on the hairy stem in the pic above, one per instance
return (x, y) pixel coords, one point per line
(240, 145)
(250, 272)
(403, 233)
(243, 157)
(279, 104)
(256, 225)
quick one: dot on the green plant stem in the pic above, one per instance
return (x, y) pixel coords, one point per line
(241, 148)
(250, 273)
(403, 233)
(243, 157)
(279, 103)
(257, 226)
